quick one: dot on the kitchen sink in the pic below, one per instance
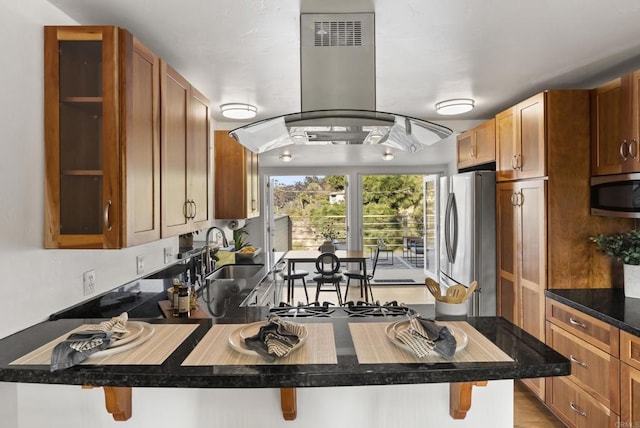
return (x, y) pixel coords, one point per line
(235, 272)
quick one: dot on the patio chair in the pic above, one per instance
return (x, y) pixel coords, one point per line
(365, 280)
(413, 249)
(328, 269)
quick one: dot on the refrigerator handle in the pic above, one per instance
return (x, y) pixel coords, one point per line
(454, 211)
(447, 227)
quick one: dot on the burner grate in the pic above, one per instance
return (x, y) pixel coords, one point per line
(315, 309)
(365, 309)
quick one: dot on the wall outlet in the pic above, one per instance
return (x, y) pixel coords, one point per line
(89, 282)
(140, 264)
(168, 257)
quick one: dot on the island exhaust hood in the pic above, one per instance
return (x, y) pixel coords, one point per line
(338, 94)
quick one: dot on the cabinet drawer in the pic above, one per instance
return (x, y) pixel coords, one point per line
(586, 327)
(630, 349)
(595, 371)
(577, 408)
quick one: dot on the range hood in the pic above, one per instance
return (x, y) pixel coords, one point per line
(338, 94)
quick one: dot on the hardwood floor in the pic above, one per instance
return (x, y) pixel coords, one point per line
(529, 412)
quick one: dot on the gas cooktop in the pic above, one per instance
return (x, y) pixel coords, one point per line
(350, 309)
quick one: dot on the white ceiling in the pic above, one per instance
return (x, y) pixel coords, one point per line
(497, 52)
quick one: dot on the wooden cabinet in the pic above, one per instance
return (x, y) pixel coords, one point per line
(598, 333)
(630, 379)
(101, 139)
(186, 200)
(477, 146)
(616, 122)
(537, 245)
(578, 409)
(236, 179)
(521, 140)
(590, 396)
(522, 258)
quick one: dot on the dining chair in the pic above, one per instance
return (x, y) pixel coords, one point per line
(328, 269)
(291, 279)
(365, 280)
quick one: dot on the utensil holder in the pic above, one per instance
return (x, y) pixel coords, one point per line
(444, 309)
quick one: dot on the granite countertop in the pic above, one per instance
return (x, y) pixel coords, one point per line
(606, 304)
(531, 359)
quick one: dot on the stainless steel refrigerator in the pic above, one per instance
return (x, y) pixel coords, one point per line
(468, 236)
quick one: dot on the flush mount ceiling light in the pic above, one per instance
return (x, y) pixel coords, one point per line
(238, 111)
(455, 106)
(286, 156)
(388, 155)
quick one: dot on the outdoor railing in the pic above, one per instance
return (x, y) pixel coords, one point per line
(306, 231)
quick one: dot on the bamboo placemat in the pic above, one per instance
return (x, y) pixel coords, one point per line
(165, 339)
(214, 349)
(374, 347)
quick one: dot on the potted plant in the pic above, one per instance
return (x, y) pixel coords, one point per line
(238, 238)
(330, 236)
(243, 248)
(626, 248)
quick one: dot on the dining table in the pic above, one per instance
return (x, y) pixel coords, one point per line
(310, 256)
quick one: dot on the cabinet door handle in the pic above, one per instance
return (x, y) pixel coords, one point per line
(107, 224)
(578, 362)
(575, 409)
(577, 323)
(624, 149)
(190, 202)
(195, 208)
(472, 151)
(519, 161)
(187, 209)
(513, 162)
(517, 199)
(253, 204)
(633, 144)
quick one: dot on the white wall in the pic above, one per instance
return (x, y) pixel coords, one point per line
(408, 406)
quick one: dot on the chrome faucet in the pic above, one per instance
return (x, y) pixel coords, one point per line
(207, 242)
(207, 260)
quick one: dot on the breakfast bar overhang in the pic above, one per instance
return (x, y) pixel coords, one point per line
(529, 358)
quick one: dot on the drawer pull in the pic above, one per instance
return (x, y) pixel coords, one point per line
(577, 323)
(578, 411)
(575, 360)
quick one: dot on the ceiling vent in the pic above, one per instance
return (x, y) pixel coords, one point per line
(337, 33)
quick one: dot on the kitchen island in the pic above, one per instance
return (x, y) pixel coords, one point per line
(527, 358)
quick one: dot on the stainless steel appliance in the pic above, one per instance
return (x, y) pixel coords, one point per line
(616, 195)
(468, 236)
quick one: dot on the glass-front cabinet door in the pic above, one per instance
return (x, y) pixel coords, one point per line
(82, 189)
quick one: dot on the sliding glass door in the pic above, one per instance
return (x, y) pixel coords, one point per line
(389, 211)
(393, 219)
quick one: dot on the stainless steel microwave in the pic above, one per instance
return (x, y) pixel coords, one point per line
(616, 195)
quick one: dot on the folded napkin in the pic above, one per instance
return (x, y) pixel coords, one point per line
(78, 346)
(275, 339)
(423, 336)
(116, 325)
